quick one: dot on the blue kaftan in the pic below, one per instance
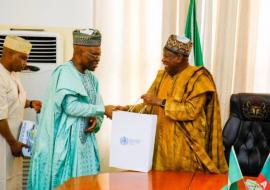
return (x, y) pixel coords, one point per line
(62, 149)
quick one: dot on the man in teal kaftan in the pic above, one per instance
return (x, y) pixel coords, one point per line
(65, 145)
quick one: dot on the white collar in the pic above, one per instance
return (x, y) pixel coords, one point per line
(2, 68)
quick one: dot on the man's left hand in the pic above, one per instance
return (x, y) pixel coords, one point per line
(151, 100)
(36, 104)
(92, 125)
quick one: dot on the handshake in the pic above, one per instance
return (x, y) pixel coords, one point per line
(110, 108)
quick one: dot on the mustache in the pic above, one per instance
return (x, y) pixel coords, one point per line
(93, 63)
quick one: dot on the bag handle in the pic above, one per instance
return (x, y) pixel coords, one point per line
(143, 109)
(131, 108)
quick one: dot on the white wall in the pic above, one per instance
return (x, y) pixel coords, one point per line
(47, 13)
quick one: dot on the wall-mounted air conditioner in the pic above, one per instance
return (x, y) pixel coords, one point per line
(47, 47)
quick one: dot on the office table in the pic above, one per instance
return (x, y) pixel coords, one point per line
(153, 180)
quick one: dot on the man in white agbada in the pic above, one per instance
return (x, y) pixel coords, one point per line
(12, 103)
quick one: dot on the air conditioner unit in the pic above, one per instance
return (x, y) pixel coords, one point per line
(45, 55)
(47, 46)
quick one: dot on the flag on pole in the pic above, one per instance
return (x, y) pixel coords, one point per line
(234, 174)
(264, 177)
(192, 32)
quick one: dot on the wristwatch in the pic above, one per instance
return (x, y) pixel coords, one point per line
(31, 104)
(163, 102)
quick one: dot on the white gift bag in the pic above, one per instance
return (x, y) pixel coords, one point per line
(132, 141)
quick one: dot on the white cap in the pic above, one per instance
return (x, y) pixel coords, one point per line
(18, 44)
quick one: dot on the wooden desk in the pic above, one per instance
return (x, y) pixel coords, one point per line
(204, 181)
(148, 181)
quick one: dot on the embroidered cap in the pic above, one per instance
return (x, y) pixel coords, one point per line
(18, 44)
(87, 37)
(179, 45)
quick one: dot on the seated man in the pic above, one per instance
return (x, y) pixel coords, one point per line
(65, 145)
(184, 97)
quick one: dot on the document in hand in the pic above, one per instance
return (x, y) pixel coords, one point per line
(132, 141)
(27, 134)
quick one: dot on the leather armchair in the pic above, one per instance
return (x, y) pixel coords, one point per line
(248, 129)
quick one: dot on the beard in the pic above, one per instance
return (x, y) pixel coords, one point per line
(172, 71)
(176, 68)
(92, 65)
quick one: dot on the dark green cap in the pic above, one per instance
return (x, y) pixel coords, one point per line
(87, 37)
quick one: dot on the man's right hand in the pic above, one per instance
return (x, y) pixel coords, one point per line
(108, 110)
(121, 108)
(16, 148)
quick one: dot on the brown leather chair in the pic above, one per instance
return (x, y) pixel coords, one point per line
(248, 129)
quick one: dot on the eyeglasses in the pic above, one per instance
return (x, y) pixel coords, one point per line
(95, 56)
(169, 57)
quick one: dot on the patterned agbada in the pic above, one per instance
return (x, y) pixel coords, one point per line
(189, 134)
(62, 149)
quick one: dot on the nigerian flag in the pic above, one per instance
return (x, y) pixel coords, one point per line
(234, 174)
(264, 177)
(192, 32)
